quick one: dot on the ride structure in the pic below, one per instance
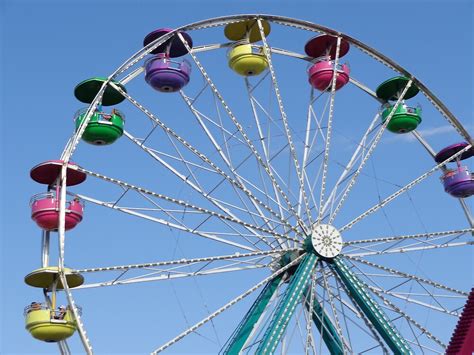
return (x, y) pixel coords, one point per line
(247, 180)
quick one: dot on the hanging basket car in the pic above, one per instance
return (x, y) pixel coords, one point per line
(323, 50)
(49, 325)
(45, 211)
(167, 75)
(459, 182)
(247, 61)
(321, 74)
(103, 128)
(404, 119)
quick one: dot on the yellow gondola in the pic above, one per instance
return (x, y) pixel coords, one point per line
(49, 325)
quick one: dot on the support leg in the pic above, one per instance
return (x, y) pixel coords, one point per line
(241, 335)
(374, 313)
(287, 305)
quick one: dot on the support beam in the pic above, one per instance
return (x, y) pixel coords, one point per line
(45, 238)
(371, 309)
(325, 327)
(246, 327)
(287, 305)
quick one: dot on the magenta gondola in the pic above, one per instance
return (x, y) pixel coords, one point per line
(45, 211)
(321, 72)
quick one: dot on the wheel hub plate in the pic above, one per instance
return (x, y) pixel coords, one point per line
(326, 240)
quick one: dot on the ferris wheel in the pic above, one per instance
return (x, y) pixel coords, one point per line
(281, 167)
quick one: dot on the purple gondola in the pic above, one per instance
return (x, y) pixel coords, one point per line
(457, 182)
(167, 75)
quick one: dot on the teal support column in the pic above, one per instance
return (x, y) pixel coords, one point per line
(287, 305)
(246, 326)
(324, 325)
(371, 309)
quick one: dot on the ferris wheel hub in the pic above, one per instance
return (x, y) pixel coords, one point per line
(326, 240)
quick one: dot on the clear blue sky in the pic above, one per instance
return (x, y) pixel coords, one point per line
(47, 47)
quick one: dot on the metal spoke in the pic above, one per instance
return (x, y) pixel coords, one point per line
(397, 295)
(410, 236)
(329, 128)
(193, 185)
(129, 77)
(181, 203)
(307, 148)
(411, 300)
(262, 143)
(284, 118)
(167, 275)
(433, 241)
(408, 318)
(64, 347)
(365, 89)
(370, 151)
(218, 203)
(467, 212)
(45, 242)
(224, 157)
(403, 250)
(350, 165)
(196, 152)
(240, 128)
(402, 190)
(228, 305)
(167, 223)
(328, 332)
(339, 298)
(410, 276)
(207, 259)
